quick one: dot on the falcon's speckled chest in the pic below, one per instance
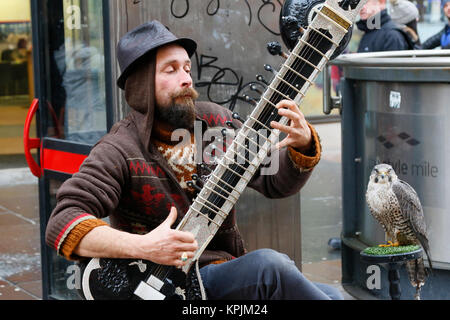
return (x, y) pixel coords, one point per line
(384, 206)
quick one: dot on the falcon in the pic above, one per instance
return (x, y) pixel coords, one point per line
(396, 206)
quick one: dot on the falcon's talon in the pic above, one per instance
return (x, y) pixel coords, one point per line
(390, 244)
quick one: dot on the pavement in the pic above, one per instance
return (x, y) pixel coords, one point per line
(321, 212)
(20, 262)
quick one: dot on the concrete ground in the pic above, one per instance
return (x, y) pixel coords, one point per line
(321, 212)
(20, 260)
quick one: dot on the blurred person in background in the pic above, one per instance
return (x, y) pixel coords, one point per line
(20, 54)
(380, 32)
(406, 15)
(441, 38)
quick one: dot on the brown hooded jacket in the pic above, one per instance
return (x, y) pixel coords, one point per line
(127, 179)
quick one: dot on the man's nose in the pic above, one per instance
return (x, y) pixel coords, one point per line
(186, 80)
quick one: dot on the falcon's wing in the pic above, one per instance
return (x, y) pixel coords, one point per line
(411, 210)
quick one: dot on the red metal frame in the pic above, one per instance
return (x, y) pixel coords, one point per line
(31, 143)
(61, 161)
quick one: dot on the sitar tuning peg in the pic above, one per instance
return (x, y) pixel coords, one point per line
(204, 166)
(237, 117)
(224, 133)
(197, 179)
(231, 125)
(253, 87)
(274, 49)
(269, 68)
(249, 100)
(260, 78)
(193, 183)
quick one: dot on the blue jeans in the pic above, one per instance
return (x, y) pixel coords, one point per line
(263, 274)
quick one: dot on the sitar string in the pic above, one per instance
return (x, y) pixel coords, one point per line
(233, 177)
(269, 112)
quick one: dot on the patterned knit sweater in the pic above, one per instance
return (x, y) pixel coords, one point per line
(178, 152)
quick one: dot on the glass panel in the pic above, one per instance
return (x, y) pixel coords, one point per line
(16, 80)
(76, 87)
(65, 276)
(15, 53)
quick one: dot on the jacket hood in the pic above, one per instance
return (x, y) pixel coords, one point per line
(140, 96)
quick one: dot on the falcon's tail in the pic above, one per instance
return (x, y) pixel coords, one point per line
(424, 242)
(417, 275)
(417, 294)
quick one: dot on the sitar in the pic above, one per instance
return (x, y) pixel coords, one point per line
(103, 278)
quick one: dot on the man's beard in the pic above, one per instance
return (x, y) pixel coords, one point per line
(180, 113)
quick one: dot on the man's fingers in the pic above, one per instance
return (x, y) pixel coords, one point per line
(178, 261)
(187, 247)
(184, 236)
(281, 127)
(291, 105)
(171, 218)
(286, 104)
(283, 143)
(185, 253)
(291, 115)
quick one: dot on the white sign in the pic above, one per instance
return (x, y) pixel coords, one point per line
(74, 18)
(395, 99)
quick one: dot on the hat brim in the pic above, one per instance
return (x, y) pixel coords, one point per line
(188, 44)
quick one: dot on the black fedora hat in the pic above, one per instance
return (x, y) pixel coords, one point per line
(143, 39)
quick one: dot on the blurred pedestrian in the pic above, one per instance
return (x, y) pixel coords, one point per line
(405, 14)
(442, 38)
(20, 54)
(380, 32)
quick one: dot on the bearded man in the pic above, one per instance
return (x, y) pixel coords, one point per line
(134, 176)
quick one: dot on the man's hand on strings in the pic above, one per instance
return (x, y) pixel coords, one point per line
(164, 245)
(297, 130)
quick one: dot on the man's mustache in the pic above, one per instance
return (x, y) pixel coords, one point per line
(186, 93)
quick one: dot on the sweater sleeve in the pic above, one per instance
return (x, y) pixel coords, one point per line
(86, 198)
(306, 162)
(288, 172)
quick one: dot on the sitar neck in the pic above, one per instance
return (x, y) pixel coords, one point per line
(256, 138)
